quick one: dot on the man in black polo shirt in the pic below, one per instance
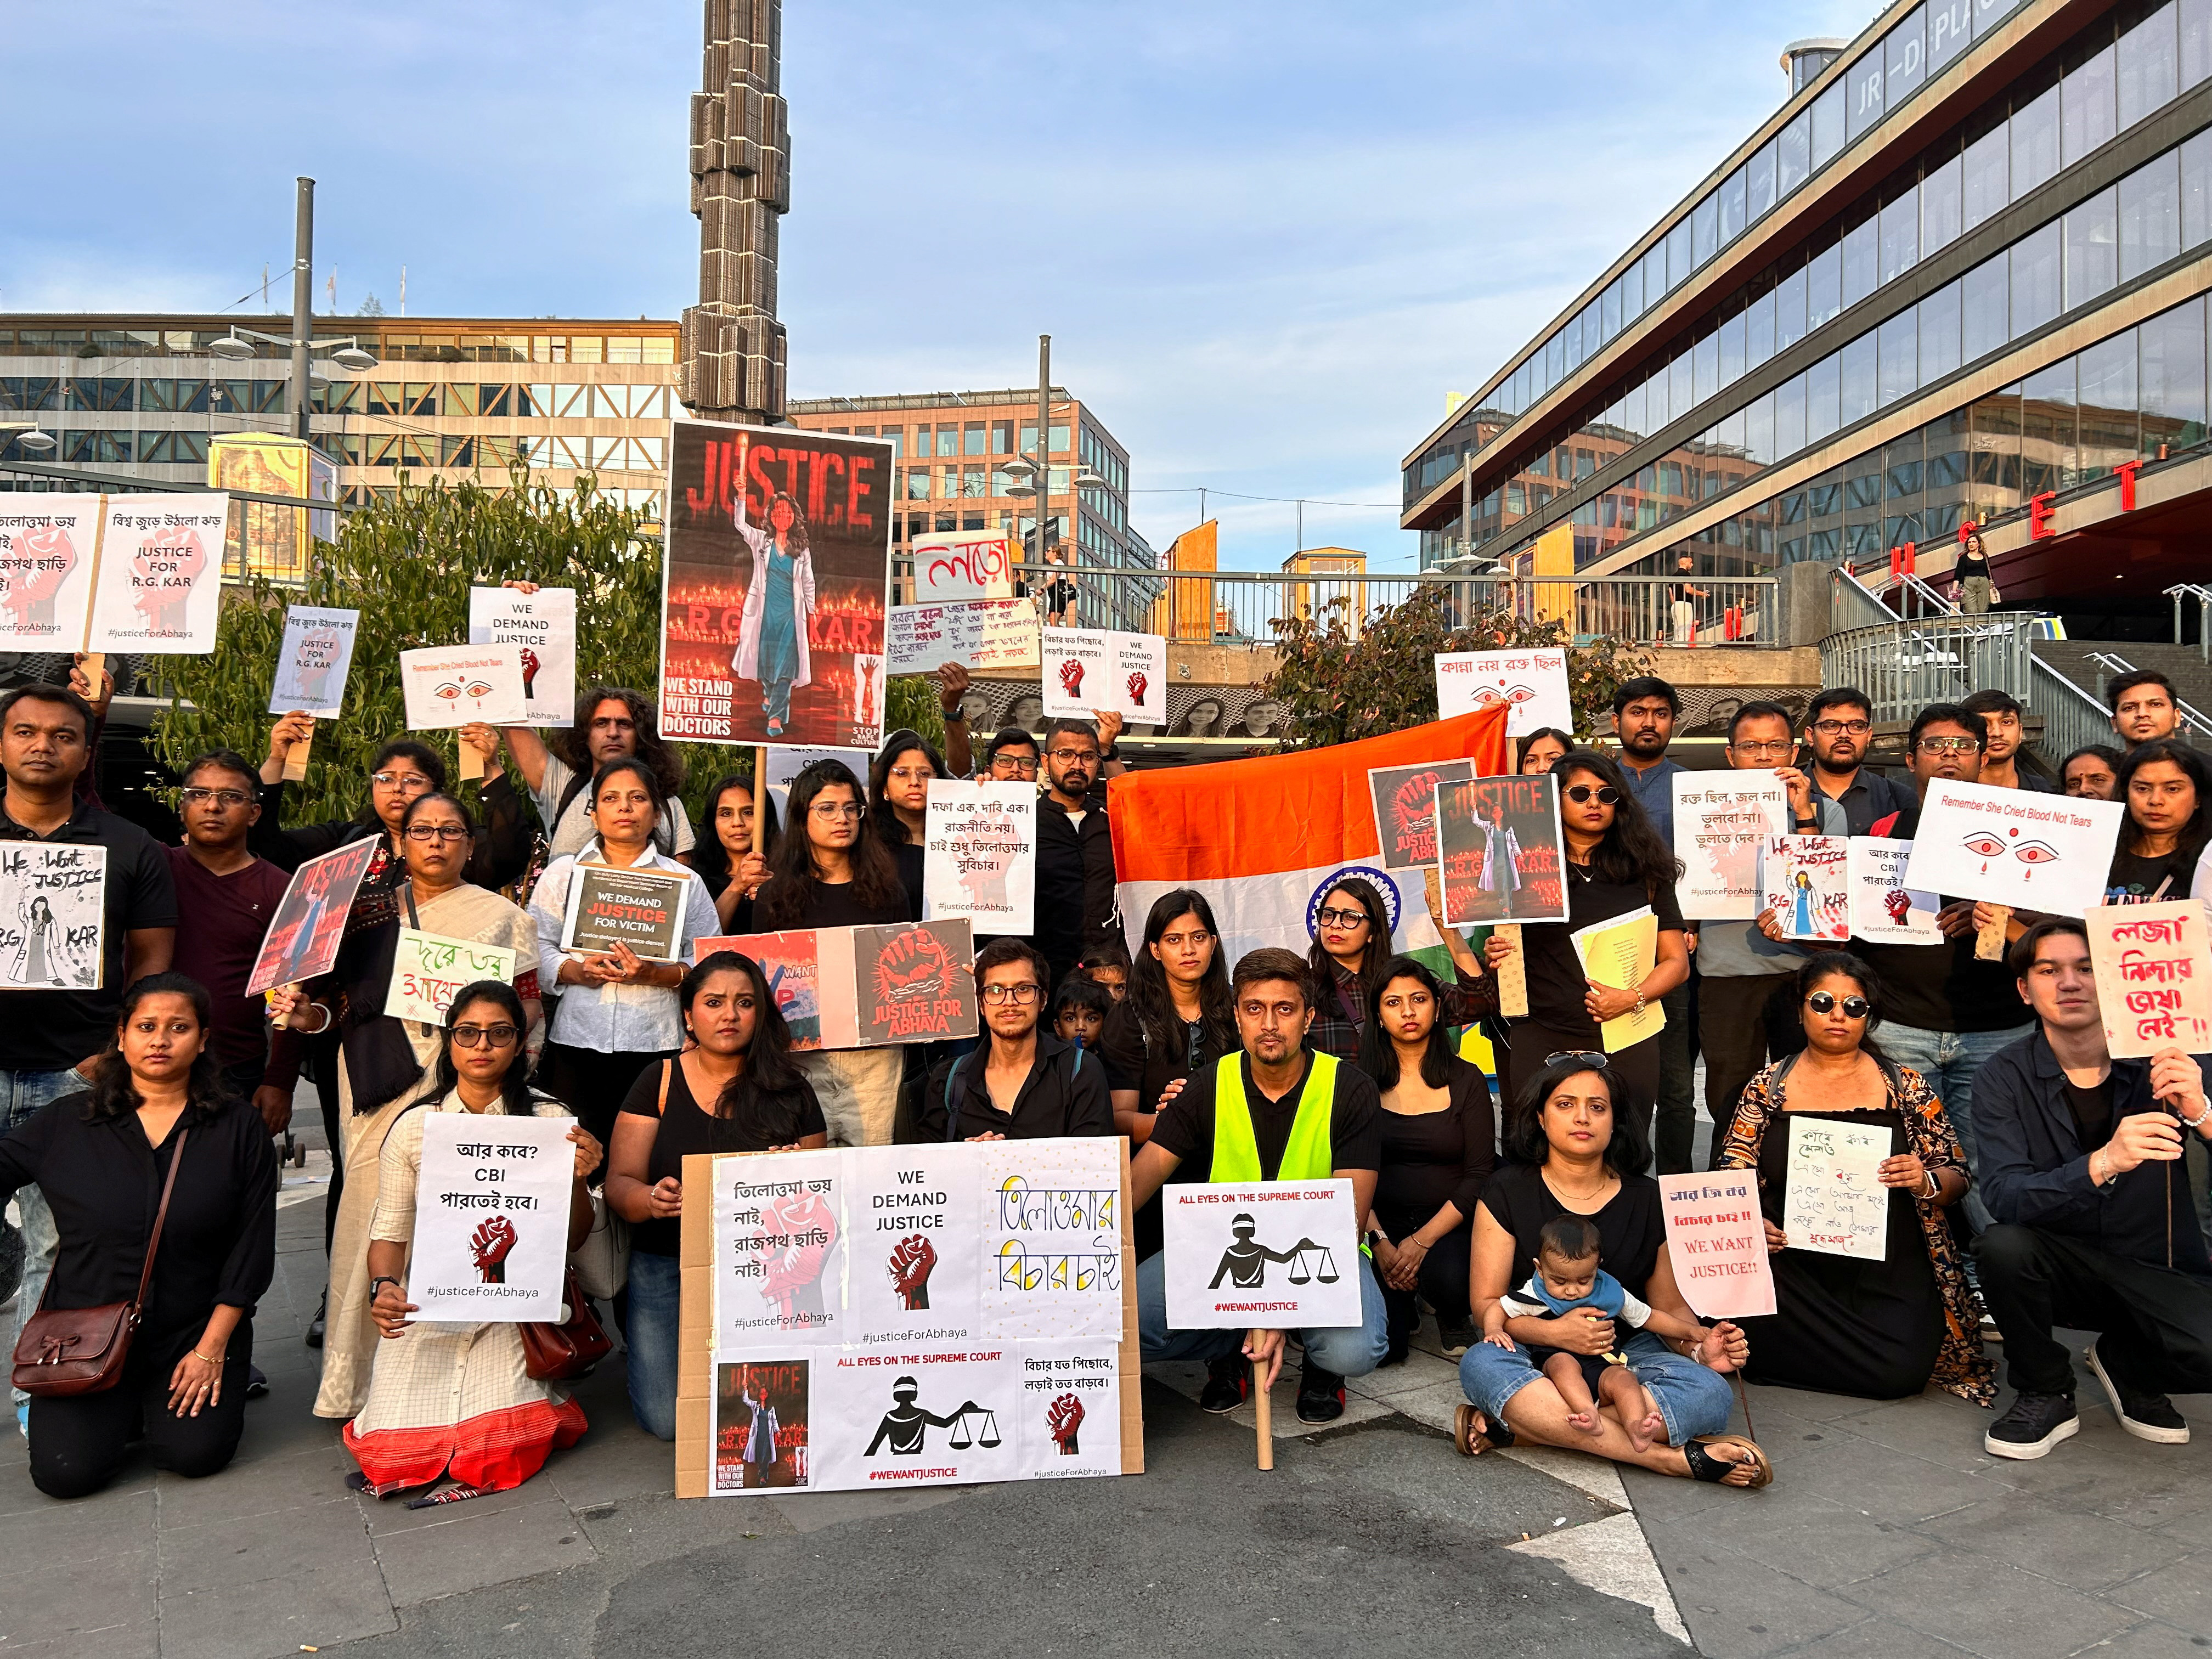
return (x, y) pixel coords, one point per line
(49, 1039)
(1274, 1068)
(1024, 1083)
(2082, 1166)
(1839, 727)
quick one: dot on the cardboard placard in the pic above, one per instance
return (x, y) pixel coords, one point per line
(427, 971)
(1836, 1203)
(157, 585)
(1531, 683)
(956, 565)
(983, 635)
(2009, 846)
(314, 661)
(491, 1217)
(978, 856)
(1806, 881)
(2154, 976)
(1884, 910)
(1716, 1240)
(1405, 802)
(304, 935)
(1278, 1256)
(1500, 852)
(860, 988)
(52, 915)
(1620, 953)
(1088, 671)
(1721, 819)
(641, 908)
(450, 686)
(542, 626)
(47, 544)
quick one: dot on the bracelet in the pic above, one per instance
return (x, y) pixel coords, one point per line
(1639, 1002)
(1935, 1187)
(212, 1359)
(2199, 1121)
(323, 1008)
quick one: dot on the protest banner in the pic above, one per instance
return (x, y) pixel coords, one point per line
(1884, 910)
(314, 661)
(1499, 851)
(542, 626)
(427, 970)
(1806, 881)
(1720, 820)
(2154, 976)
(1404, 801)
(157, 574)
(1836, 1203)
(304, 935)
(983, 635)
(2008, 846)
(47, 544)
(772, 587)
(641, 908)
(907, 1316)
(978, 858)
(1530, 684)
(1620, 953)
(449, 686)
(958, 565)
(1089, 670)
(792, 963)
(860, 988)
(52, 915)
(491, 1217)
(1717, 1240)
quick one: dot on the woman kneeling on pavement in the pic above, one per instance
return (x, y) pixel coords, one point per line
(451, 1399)
(1573, 1155)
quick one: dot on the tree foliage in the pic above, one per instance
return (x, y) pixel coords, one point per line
(406, 563)
(911, 701)
(1343, 677)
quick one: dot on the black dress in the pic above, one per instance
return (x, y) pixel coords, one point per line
(1870, 1330)
(1134, 1062)
(1430, 1159)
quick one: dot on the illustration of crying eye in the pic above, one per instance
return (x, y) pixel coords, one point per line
(2036, 852)
(477, 688)
(1983, 845)
(1521, 694)
(448, 691)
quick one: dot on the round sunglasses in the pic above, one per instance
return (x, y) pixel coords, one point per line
(1824, 1002)
(1606, 793)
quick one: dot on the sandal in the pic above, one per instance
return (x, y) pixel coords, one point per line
(1703, 1466)
(1469, 1440)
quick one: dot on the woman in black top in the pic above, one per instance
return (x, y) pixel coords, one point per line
(737, 1060)
(2167, 790)
(99, 1156)
(1972, 572)
(736, 826)
(898, 798)
(1439, 1136)
(1615, 863)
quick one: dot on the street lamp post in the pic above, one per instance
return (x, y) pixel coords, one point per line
(1032, 474)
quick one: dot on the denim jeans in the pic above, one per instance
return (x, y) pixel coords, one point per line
(1348, 1350)
(1693, 1398)
(1948, 1060)
(22, 1094)
(655, 1318)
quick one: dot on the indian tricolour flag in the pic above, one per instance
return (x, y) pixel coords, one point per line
(1265, 839)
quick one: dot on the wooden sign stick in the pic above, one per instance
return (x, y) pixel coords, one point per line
(1512, 974)
(96, 662)
(295, 758)
(1990, 941)
(1262, 1409)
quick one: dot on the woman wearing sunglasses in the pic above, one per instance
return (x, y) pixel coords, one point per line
(1352, 942)
(1878, 1330)
(1615, 863)
(451, 1400)
(382, 1058)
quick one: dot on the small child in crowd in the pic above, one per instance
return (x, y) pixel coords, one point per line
(1079, 1010)
(1108, 965)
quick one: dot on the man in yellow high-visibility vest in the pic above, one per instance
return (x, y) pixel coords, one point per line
(1272, 1111)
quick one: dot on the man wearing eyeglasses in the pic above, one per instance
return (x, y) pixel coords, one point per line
(1839, 727)
(1023, 1084)
(1075, 844)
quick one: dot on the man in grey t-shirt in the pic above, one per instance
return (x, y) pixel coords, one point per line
(611, 724)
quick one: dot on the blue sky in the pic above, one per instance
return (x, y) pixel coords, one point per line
(1267, 238)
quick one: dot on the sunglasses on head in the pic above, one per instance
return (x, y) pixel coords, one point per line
(1589, 1058)
(1824, 1002)
(1606, 793)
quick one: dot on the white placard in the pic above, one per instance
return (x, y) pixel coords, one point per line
(160, 574)
(962, 564)
(450, 686)
(783, 764)
(1069, 1409)
(544, 625)
(929, 1414)
(1836, 1203)
(2033, 852)
(52, 915)
(1086, 671)
(2154, 976)
(1806, 881)
(916, 1263)
(983, 635)
(1717, 1240)
(314, 662)
(980, 855)
(491, 1217)
(1274, 1256)
(1051, 1237)
(46, 545)
(1884, 910)
(1720, 820)
(428, 970)
(1532, 683)
(779, 1249)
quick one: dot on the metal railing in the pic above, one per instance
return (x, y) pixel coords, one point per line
(1853, 604)
(1903, 666)
(2202, 595)
(2072, 719)
(2196, 724)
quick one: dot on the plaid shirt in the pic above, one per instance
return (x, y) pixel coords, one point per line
(1337, 1032)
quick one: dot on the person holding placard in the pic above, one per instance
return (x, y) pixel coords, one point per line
(899, 800)
(2082, 1166)
(1023, 1084)
(2168, 793)
(1879, 1330)
(448, 1399)
(1269, 1111)
(1838, 728)
(740, 828)
(1615, 864)
(2091, 772)
(737, 1060)
(1439, 1137)
(156, 1134)
(1645, 715)
(1570, 1153)
(382, 1057)
(617, 1012)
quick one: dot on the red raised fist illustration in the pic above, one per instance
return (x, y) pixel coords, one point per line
(914, 1258)
(1898, 903)
(912, 965)
(1414, 806)
(530, 666)
(1070, 678)
(490, 1242)
(31, 573)
(169, 563)
(1137, 684)
(1063, 1419)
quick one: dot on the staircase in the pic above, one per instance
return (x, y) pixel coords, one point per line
(2090, 663)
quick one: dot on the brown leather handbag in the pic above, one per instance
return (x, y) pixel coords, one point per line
(557, 1353)
(72, 1351)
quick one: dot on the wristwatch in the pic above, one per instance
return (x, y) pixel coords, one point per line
(377, 1283)
(952, 715)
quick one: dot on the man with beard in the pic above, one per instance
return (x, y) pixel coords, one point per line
(1024, 1083)
(1644, 712)
(1075, 844)
(1839, 726)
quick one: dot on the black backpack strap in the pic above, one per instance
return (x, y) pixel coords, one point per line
(951, 1103)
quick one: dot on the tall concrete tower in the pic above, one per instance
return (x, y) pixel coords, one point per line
(733, 347)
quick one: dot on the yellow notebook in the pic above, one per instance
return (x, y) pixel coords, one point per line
(1620, 952)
